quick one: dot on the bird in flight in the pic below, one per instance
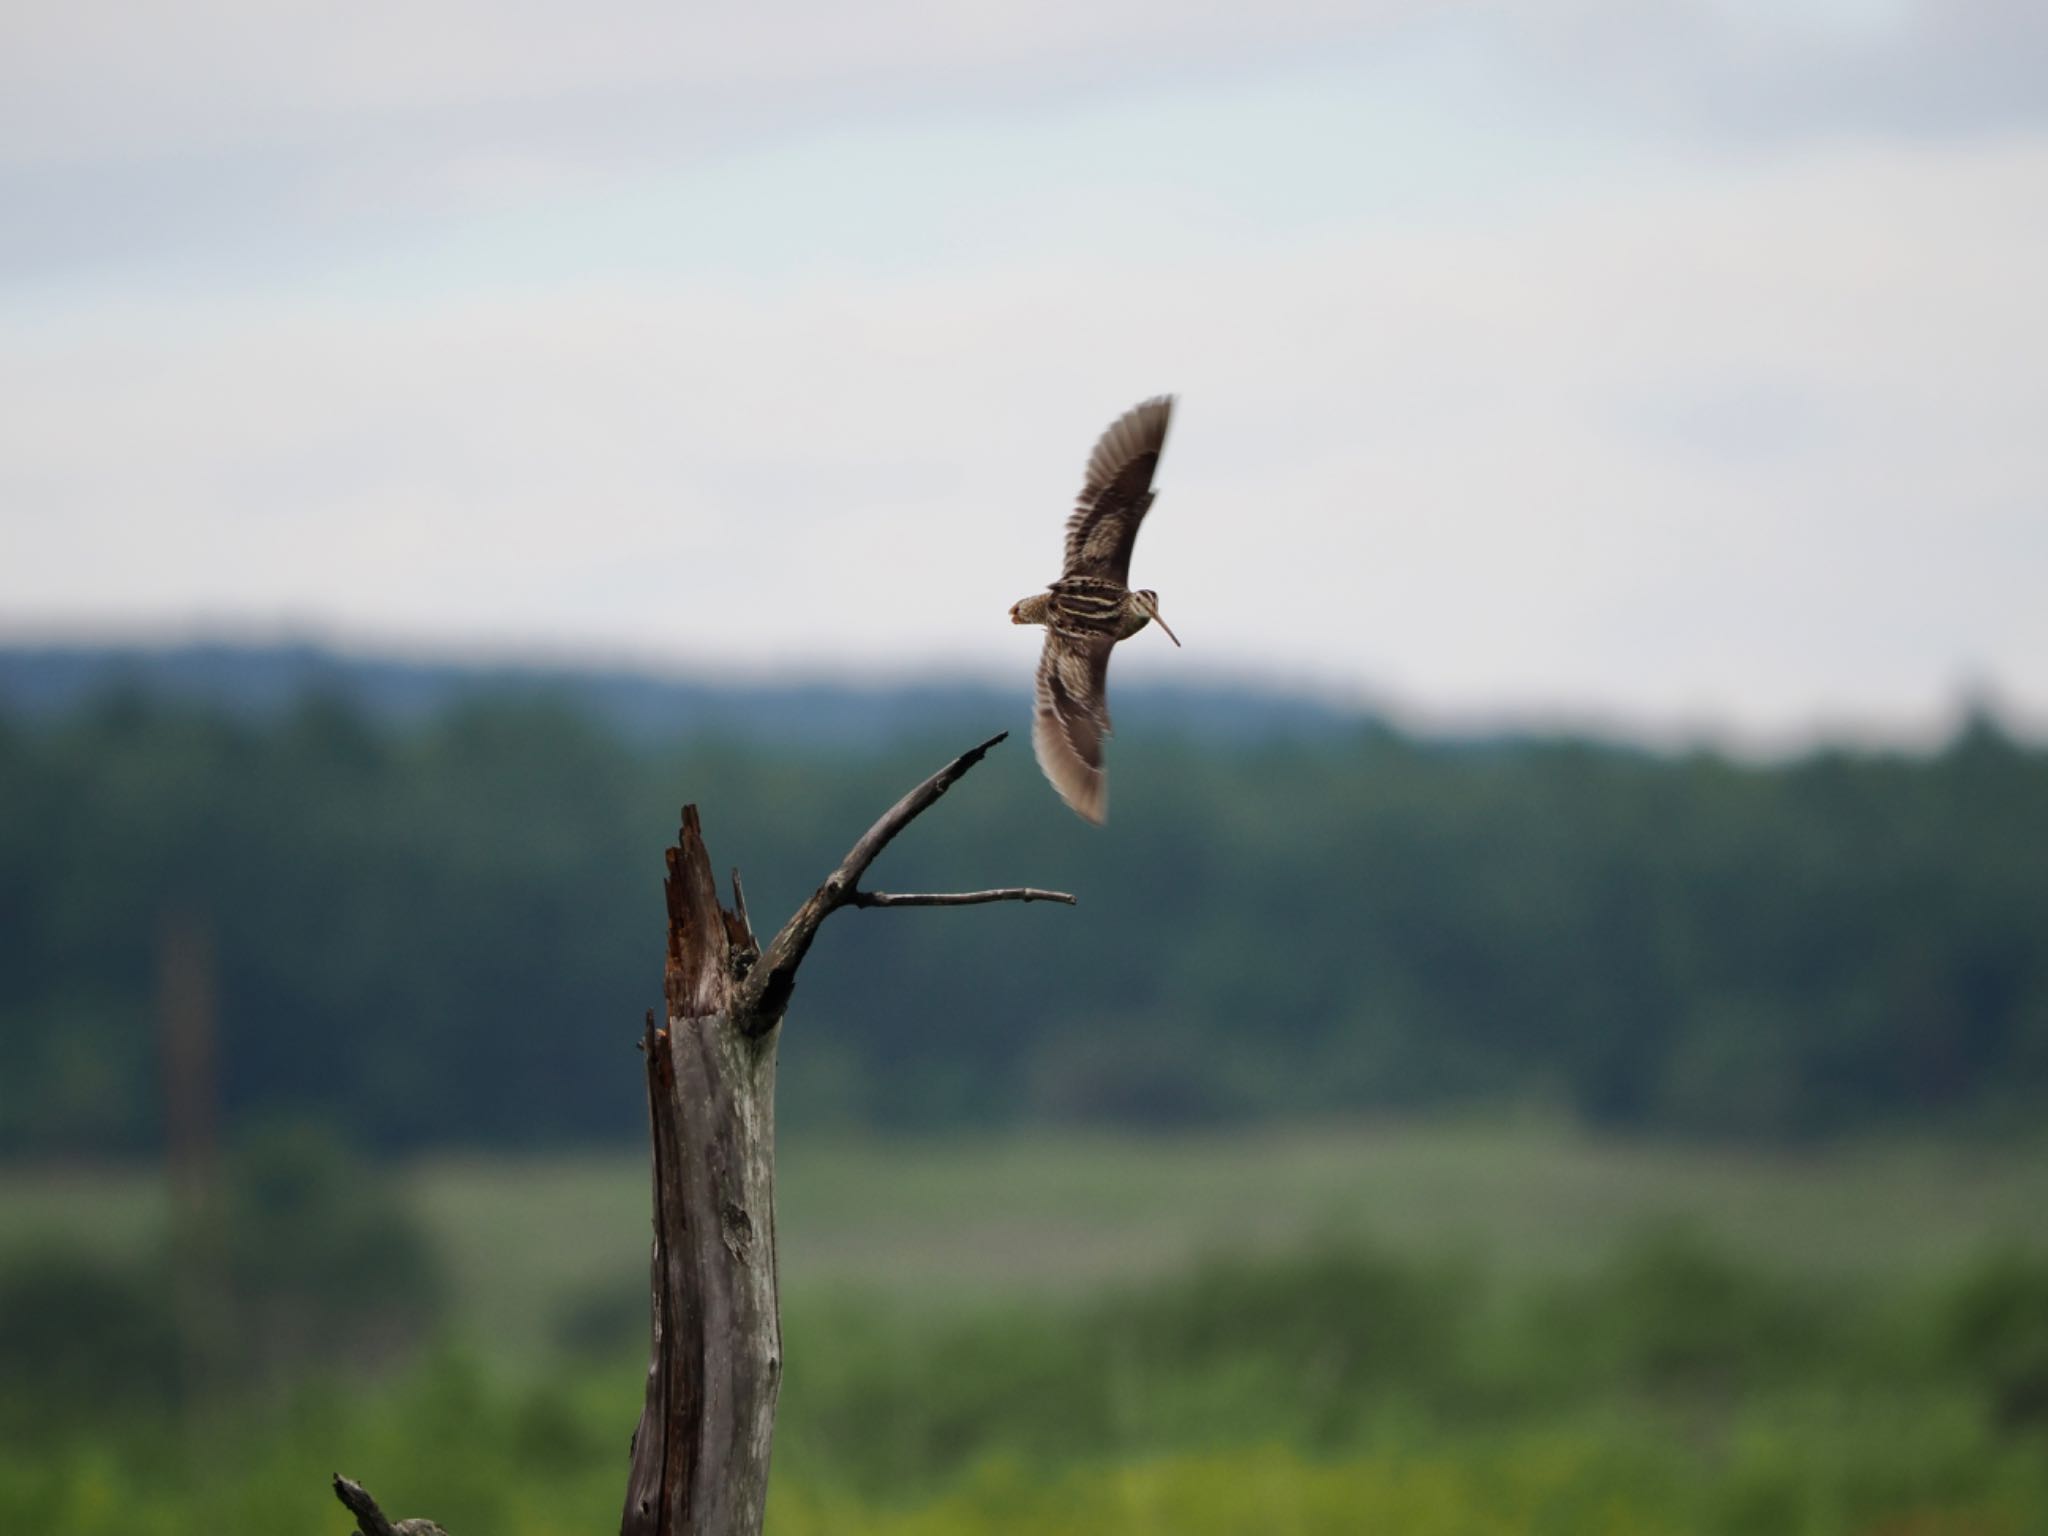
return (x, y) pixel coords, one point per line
(1092, 606)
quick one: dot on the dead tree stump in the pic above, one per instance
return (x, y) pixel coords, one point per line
(700, 1454)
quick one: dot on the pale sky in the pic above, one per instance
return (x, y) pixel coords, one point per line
(1681, 366)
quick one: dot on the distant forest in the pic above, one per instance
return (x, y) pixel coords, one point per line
(443, 926)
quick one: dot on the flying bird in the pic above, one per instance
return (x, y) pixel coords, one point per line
(1091, 607)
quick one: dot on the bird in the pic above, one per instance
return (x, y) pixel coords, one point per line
(1091, 607)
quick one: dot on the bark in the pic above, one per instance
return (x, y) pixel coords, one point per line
(372, 1521)
(700, 1455)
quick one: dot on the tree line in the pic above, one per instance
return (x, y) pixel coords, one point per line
(447, 930)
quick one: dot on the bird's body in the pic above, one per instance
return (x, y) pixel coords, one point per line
(1083, 608)
(1092, 607)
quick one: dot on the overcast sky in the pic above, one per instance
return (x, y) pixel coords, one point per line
(1678, 365)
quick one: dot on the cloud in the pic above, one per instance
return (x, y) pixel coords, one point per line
(1753, 69)
(96, 80)
(1533, 462)
(93, 80)
(231, 127)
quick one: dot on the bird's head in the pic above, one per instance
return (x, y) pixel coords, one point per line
(1147, 603)
(1035, 609)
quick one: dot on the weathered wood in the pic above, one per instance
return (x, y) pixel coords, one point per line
(372, 1521)
(955, 898)
(765, 993)
(700, 1455)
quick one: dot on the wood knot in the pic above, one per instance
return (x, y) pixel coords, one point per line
(739, 1229)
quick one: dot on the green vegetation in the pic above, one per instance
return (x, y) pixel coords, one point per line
(1435, 1329)
(303, 1259)
(1358, 922)
(525, 1243)
(1669, 1389)
(1737, 1228)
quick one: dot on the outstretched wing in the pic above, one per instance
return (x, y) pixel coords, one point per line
(1072, 718)
(1117, 492)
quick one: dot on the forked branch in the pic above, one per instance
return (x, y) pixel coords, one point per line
(700, 1456)
(765, 993)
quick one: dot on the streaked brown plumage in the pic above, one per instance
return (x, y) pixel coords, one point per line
(1091, 607)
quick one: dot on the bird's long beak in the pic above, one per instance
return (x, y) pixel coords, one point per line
(1162, 624)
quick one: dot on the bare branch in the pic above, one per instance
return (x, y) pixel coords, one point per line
(955, 898)
(372, 1521)
(765, 992)
(699, 1459)
(905, 811)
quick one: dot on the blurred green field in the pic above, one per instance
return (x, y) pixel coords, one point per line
(947, 1222)
(1413, 1328)
(489, 1465)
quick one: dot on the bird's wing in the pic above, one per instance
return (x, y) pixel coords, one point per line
(1072, 718)
(1117, 492)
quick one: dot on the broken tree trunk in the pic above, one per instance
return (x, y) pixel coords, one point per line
(700, 1455)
